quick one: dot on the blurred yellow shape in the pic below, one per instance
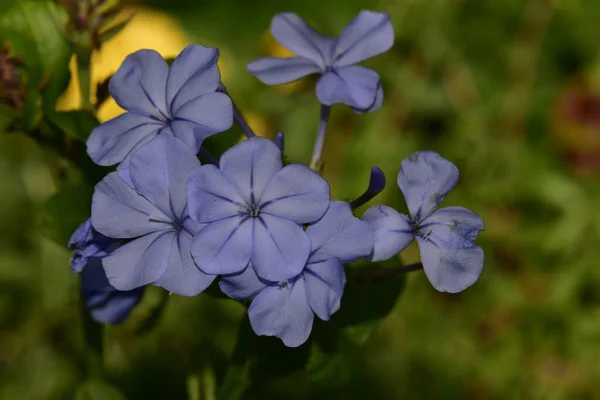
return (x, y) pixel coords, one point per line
(259, 124)
(148, 29)
(272, 48)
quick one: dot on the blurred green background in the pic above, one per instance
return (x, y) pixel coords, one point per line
(508, 90)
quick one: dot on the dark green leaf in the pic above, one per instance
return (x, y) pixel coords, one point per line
(32, 111)
(77, 124)
(98, 390)
(24, 48)
(7, 116)
(111, 32)
(6, 4)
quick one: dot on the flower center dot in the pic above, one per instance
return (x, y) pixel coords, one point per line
(253, 210)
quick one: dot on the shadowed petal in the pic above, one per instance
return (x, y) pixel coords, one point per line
(340, 234)
(182, 276)
(376, 104)
(119, 212)
(223, 247)
(325, 282)
(296, 193)
(280, 248)
(275, 70)
(250, 165)
(293, 33)
(283, 312)
(369, 34)
(210, 195)
(139, 262)
(111, 141)
(458, 226)
(193, 72)
(392, 231)
(354, 85)
(159, 171)
(139, 85)
(243, 285)
(425, 178)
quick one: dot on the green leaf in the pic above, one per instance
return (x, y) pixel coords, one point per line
(32, 111)
(25, 49)
(77, 124)
(6, 4)
(111, 32)
(98, 390)
(7, 116)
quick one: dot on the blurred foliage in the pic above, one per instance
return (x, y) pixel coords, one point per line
(507, 90)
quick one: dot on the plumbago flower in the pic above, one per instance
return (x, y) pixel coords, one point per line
(369, 34)
(155, 215)
(106, 304)
(452, 262)
(254, 210)
(286, 309)
(178, 101)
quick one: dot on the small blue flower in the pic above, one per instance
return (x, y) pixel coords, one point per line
(369, 34)
(155, 215)
(452, 262)
(254, 209)
(178, 101)
(106, 304)
(286, 309)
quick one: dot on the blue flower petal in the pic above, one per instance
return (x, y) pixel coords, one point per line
(193, 73)
(243, 285)
(280, 248)
(276, 71)
(425, 179)
(139, 85)
(250, 165)
(339, 234)
(392, 231)
(325, 283)
(119, 212)
(458, 226)
(284, 312)
(224, 246)
(87, 243)
(139, 262)
(354, 85)
(376, 104)
(111, 141)
(369, 34)
(296, 193)
(293, 33)
(159, 171)
(182, 276)
(211, 196)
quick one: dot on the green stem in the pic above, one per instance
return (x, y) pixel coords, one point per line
(236, 379)
(84, 70)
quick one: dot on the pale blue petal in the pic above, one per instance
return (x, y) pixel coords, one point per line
(243, 285)
(354, 85)
(369, 34)
(139, 85)
(250, 165)
(223, 247)
(119, 212)
(294, 34)
(111, 141)
(340, 234)
(139, 262)
(425, 179)
(193, 72)
(123, 167)
(159, 171)
(325, 283)
(276, 71)
(376, 105)
(280, 248)
(182, 276)
(296, 193)
(392, 231)
(210, 195)
(284, 312)
(458, 226)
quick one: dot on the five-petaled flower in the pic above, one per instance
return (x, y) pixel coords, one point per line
(178, 101)
(254, 210)
(286, 309)
(452, 262)
(369, 34)
(106, 304)
(155, 215)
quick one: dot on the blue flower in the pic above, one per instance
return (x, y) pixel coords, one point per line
(154, 214)
(178, 101)
(452, 262)
(286, 309)
(254, 209)
(106, 304)
(369, 34)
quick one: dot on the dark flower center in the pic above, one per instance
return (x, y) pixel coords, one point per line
(253, 210)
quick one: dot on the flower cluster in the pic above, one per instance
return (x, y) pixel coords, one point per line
(267, 231)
